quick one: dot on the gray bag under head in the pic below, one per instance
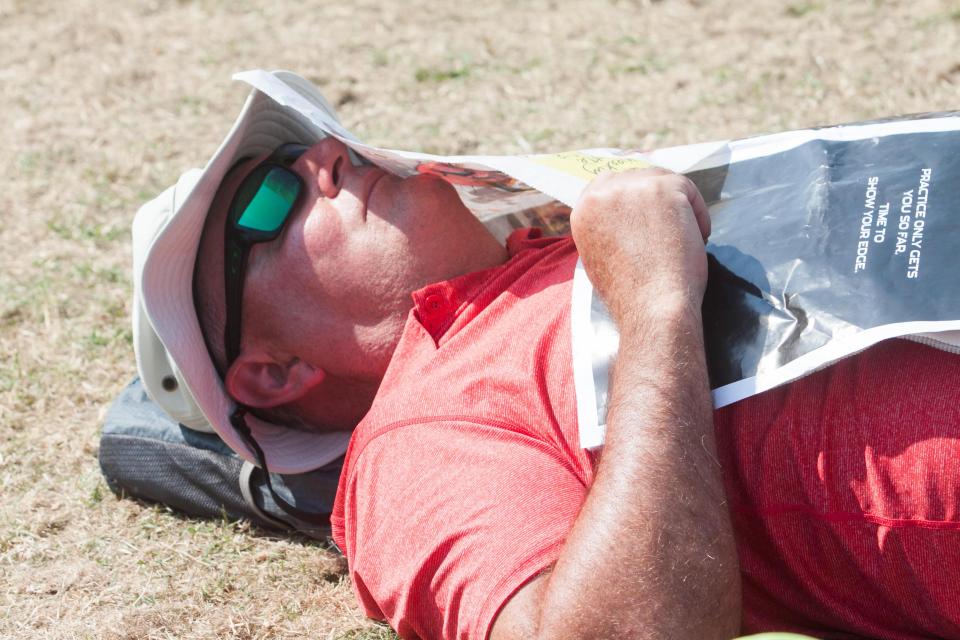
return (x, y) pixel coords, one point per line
(145, 454)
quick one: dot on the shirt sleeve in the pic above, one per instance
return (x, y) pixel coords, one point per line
(445, 521)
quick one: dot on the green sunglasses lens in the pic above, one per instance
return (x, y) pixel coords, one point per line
(272, 202)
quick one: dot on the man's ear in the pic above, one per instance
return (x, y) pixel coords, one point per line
(259, 381)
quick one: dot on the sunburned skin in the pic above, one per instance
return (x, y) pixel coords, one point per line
(325, 303)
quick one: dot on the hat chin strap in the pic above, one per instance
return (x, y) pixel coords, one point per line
(246, 478)
(240, 424)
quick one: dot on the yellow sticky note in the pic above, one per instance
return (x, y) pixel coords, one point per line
(587, 167)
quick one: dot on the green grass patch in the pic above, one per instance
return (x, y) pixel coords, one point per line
(440, 75)
(800, 9)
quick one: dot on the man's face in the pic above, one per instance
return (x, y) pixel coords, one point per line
(334, 288)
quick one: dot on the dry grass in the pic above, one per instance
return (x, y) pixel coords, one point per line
(104, 103)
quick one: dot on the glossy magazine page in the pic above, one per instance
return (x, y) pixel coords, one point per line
(824, 241)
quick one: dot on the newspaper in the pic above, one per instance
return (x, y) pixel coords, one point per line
(824, 241)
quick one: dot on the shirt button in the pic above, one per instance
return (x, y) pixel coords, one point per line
(433, 302)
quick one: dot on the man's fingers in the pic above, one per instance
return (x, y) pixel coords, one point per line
(700, 210)
(699, 206)
(619, 225)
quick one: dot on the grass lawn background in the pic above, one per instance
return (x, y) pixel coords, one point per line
(103, 104)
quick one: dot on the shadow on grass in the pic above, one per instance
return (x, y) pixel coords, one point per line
(238, 525)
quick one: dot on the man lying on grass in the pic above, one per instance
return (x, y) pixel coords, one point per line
(328, 295)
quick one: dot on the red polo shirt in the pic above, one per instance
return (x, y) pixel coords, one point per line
(462, 482)
(844, 489)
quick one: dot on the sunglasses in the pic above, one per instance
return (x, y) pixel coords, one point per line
(260, 208)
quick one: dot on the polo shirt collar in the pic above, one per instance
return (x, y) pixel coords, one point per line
(436, 306)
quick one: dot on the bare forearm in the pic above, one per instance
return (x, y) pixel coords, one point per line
(651, 554)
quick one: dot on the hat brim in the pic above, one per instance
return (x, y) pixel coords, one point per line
(167, 285)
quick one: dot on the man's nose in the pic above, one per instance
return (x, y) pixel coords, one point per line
(329, 162)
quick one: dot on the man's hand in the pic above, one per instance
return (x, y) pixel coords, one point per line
(640, 235)
(651, 554)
